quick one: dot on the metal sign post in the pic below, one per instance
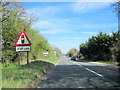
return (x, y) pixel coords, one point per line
(27, 57)
(18, 58)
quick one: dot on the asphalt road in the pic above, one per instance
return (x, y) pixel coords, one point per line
(81, 74)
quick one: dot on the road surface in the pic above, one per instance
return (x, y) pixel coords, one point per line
(81, 74)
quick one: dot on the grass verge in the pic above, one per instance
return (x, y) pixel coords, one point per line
(52, 60)
(0, 75)
(105, 62)
(25, 76)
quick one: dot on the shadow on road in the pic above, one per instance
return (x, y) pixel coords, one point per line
(80, 60)
(72, 76)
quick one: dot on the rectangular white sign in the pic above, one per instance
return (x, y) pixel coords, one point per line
(45, 53)
(22, 48)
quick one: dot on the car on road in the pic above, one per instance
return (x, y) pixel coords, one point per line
(73, 58)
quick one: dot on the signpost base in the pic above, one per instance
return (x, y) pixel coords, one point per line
(19, 58)
(27, 58)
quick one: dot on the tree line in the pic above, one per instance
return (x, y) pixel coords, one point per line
(101, 46)
(14, 20)
(104, 46)
(72, 52)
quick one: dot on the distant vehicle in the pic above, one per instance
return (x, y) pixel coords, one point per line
(73, 58)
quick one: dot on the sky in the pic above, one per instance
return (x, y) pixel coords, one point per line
(68, 24)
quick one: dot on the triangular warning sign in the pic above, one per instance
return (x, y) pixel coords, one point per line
(22, 40)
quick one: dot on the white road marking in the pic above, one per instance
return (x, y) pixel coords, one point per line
(68, 62)
(78, 64)
(94, 72)
(89, 70)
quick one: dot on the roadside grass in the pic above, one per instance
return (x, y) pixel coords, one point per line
(0, 75)
(106, 62)
(26, 76)
(52, 60)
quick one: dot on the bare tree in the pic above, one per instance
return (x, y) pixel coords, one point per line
(116, 6)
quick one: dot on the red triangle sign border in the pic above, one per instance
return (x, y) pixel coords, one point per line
(29, 43)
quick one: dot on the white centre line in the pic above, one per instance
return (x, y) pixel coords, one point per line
(78, 64)
(94, 72)
(89, 70)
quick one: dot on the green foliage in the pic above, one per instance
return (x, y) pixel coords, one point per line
(11, 18)
(106, 62)
(102, 47)
(14, 20)
(84, 49)
(39, 44)
(115, 49)
(57, 50)
(97, 47)
(52, 60)
(72, 52)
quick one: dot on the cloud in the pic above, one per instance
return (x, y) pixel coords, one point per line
(91, 6)
(57, 25)
(49, 11)
(49, 18)
(43, 24)
(72, 38)
(94, 33)
(49, 15)
(90, 32)
(110, 33)
(55, 31)
(99, 25)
